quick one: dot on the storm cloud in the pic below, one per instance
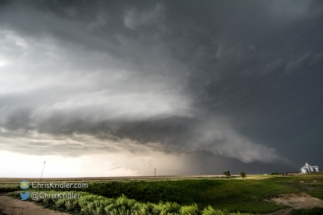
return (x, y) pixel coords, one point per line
(237, 82)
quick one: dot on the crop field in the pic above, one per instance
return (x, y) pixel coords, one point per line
(178, 195)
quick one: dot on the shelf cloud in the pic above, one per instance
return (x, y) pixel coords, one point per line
(239, 83)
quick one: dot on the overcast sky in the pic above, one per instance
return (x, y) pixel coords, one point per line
(107, 88)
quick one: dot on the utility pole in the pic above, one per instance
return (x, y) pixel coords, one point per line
(155, 172)
(42, 171)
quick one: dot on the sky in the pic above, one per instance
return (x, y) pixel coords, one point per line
(118, 88)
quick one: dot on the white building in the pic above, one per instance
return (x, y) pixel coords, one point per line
(308, 169)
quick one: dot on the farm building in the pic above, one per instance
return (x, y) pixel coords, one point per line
(308, 169)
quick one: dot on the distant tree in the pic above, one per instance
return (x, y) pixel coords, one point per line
(243, 174)
(227, 173)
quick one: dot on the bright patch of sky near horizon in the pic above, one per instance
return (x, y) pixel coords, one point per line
(95, 165)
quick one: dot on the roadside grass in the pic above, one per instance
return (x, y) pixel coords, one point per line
(90, 204)
(8, 187)
(246, 195)
(230, 194)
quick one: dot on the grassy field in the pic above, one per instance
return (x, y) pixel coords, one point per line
(244, 195)
(90, 204)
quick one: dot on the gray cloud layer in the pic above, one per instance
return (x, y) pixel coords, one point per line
(238, 80)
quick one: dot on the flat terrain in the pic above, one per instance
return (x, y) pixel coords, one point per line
(159, 177)
(256, 194)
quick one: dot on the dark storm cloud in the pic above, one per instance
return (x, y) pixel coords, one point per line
(240, 80)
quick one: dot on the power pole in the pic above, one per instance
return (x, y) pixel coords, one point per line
(155, 172)
(42, 171)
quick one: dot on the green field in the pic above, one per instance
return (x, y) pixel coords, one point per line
(233, 195)
(248, 195)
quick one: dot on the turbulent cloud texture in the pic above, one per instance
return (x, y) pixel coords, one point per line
(236, 81)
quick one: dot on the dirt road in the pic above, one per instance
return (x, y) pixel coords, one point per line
(11, 206)
(298, 201)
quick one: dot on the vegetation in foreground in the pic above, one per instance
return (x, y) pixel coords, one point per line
(233, 195)
(90, 204)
